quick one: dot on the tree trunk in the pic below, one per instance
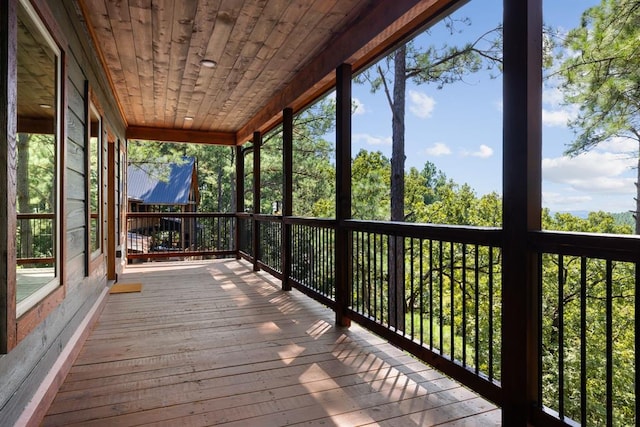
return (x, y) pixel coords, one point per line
(396, 244)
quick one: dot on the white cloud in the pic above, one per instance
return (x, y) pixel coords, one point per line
(552, 96)
(370, 139)
(421, 104)
(554, 112)
(484, 152)
(555, 199)
(593, 172)
(359, 108)
(620, 145)
(438, 149)
(558, 118)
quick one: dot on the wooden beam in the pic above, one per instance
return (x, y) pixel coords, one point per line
(181, 135)
(45, 126)
(522, 159)
(385, 24)
(343, 191)
(8, 151)
(287, 192)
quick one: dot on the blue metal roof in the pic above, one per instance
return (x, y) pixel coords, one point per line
(161, 183)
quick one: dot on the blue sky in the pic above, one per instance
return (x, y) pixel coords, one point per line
(459, 127)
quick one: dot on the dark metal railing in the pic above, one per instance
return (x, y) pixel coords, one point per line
(313, 256)
(435, 291)
(35, 239)
(270, 257)
(590, 319)
(175, 234)
(245, 235)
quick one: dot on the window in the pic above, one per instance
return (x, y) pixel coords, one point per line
(94, 181)
(38, 161)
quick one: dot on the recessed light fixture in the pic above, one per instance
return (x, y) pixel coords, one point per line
(188, 118)
(209, 63)
(45, 106)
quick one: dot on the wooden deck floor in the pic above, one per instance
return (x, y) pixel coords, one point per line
(213, 343)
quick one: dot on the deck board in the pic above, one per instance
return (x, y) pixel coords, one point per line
(214, 343)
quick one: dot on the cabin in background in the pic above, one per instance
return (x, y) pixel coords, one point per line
(162, 187)
(158, 187)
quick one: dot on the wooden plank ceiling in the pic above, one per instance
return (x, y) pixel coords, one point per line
(269, 55)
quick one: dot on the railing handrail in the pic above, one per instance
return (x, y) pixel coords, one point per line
(36, 215)
(617, 247)
(316, 222)
(267, 217)
(181, 214)
(491, 236)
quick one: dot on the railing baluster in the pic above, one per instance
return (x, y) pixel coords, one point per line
(452, 302)
(561, 336)
(490, 308)
(464, 304)
(540, 328)
(420, 284)
(368, 277)
(476, 269)
(411, 288)
(441, 296)
(583, 340)
(609, 339)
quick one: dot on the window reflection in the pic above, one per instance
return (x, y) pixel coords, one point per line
(37, 157)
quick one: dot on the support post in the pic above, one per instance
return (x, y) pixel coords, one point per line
(257, 142)
(287, 193)
(522, 122)
(8, 153)
(343, 192)
(239, 232)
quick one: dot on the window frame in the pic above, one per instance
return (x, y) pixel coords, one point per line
(94, 258)
(34, 299)
(17, 324)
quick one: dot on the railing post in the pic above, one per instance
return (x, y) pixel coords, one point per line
(522, 122)
(257, 142)
(343, 192)
(287, 193)
(239, 232)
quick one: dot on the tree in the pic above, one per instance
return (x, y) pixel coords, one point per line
(313, 172)
(370, 176)
(441, 65)
(601, 75)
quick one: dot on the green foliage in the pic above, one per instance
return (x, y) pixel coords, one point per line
(39, 175)
(596, 222)
(313, 171)
(624, 218)
(370, 184)
(36, 180)
(602, 74)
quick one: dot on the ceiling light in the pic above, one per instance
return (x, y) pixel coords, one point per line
(209, 63)
(188, 118)
(45, 106)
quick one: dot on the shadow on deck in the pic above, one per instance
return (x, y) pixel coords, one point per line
(209, 343)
